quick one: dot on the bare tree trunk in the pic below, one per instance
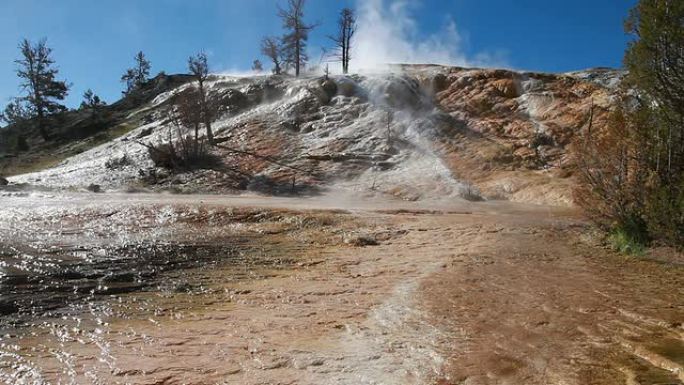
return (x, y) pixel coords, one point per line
(37, 100)
(389, 128)
(205, 113)
(197, 139)
(297, 54)
(344, 50)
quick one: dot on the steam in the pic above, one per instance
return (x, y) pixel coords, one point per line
(387, 34)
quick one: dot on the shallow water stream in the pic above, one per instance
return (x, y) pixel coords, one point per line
(56, 298)
(215, 290)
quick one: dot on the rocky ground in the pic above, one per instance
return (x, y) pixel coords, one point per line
(350, 291)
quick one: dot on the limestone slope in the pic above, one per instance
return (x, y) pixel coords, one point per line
(417, 132)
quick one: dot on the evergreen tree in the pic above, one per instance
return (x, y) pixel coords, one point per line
(295, 39)
(43, 91)
(15, 113)
(135, 77)
(92, 101)
(655, 60)
(631, 171)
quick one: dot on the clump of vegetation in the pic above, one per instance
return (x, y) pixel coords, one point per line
(118, 163)
(182, 153)
(271, 48)
(632, 169)
(625, 242)
(360, 240)
(470, 193)
(185, 149)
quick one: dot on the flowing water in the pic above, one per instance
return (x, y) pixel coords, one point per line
(65, 277)
(169, 289)
(56, 297)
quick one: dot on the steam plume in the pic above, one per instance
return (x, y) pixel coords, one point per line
(387, 34)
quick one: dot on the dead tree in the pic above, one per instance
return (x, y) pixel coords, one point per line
(188, 113)
(199, 67)
(343, 40)
(271, 49)
(390, 117)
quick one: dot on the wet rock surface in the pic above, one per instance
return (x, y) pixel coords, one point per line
(447, 293)
(48, 280)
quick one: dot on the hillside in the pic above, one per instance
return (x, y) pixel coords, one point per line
(473, 133)
(75, 131)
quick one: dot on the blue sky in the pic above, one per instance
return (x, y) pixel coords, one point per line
(94, 41)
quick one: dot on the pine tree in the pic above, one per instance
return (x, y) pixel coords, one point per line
(137, 76)
(295, 39)
(15, 113)
(655, 60)
(43, 91)
(129, 79)
(90, 100)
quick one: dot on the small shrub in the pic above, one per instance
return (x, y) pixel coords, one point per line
(118, 163)
(541, 139)
(470, 193)
(361, 240)
(625, 243)
(185, 153)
